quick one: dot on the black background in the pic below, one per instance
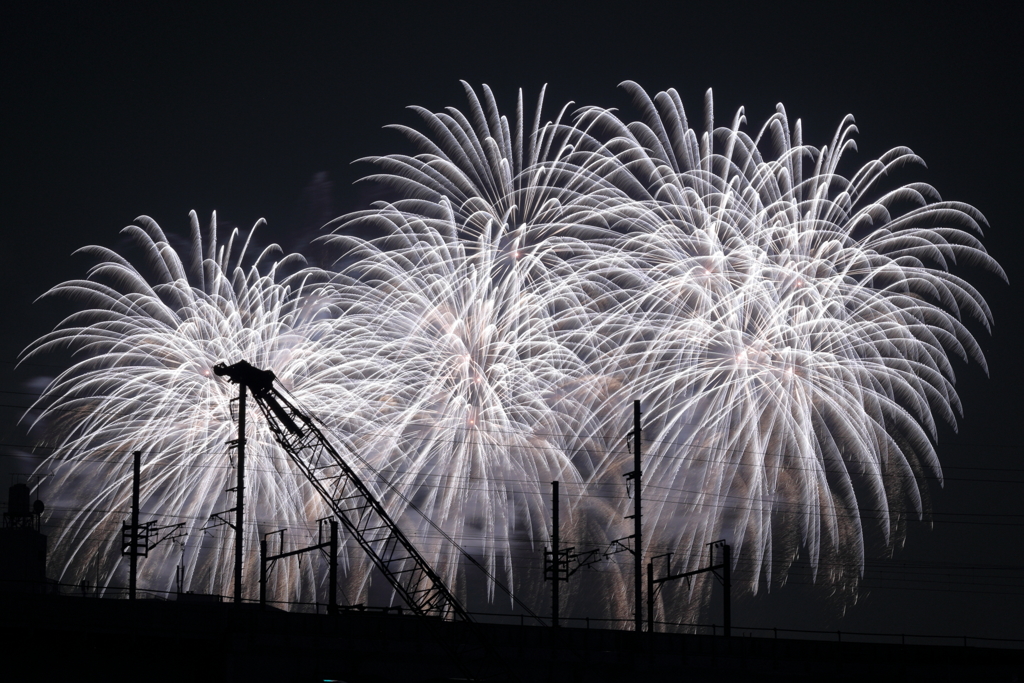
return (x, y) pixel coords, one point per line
(109, 113)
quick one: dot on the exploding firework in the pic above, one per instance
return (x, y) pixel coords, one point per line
(787, 327)
(449, 330)
(145, 343)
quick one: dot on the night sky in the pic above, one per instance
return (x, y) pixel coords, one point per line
(108, 115)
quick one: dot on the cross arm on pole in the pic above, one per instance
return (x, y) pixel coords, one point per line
(585, 559)
(218, 520)
(171, 532)
(617, 546)
(683, 575)
(307, 549)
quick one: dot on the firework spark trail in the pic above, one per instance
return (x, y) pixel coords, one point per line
(147, 340)
(787, 327)
(448, 328)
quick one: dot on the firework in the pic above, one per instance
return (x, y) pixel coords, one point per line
(787, 327)
(449, 330)
(145, 342)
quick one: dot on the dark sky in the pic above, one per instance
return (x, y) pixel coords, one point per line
(110, 114)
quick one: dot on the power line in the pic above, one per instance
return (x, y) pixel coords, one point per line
(786, 467)
(695, 555)
(774, 506)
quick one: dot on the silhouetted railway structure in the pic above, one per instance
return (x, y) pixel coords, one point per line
(85, 638)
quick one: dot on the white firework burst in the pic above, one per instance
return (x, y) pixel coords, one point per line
(448, 330)
(788, 329)
(145, 342)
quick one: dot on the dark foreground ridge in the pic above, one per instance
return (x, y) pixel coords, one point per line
(81, 638)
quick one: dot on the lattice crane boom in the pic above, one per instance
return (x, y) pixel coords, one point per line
(358, 510)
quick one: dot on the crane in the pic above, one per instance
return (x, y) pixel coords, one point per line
(358, 510)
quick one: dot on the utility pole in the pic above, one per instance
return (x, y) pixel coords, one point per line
(650, 597)
(555, 554)
(556, 560)
(638, 556)
(240, 495)
(263, 572)
(332, 560)
(561, 563)
(239, 489)
(133, 556)
(137, 539)
(267, 561)
(725, 565)
(727, 586)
